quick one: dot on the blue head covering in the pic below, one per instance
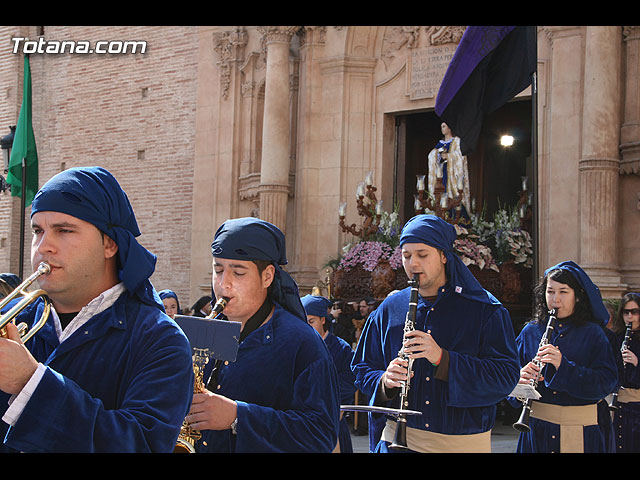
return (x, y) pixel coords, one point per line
(92, 194)
(316, 305)
(435, 232)
(599, 311)
(11, 279)
(254, 239)
(169, 294)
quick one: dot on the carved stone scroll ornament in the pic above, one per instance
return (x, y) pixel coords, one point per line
(229, 46)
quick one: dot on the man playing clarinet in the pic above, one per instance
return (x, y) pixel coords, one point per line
(462, 346)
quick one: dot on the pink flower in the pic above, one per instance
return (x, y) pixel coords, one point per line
(368, 255)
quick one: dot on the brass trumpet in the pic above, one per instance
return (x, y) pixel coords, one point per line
(27, 299)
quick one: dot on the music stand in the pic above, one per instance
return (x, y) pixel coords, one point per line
(217, 339)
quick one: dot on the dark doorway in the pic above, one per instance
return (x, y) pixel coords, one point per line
(495, 172)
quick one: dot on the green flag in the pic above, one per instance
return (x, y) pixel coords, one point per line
(24, 147)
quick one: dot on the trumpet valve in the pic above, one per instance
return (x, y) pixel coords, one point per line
(22, 329)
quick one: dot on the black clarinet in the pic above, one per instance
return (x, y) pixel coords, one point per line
(400, 438)
(522, 425)
(615, 404)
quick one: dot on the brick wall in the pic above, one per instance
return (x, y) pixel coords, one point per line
(134, 114)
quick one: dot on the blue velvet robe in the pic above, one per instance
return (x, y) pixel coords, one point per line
(626, 420)
(483, 365)
(342, 354)
(586, 375)
(286, 388)
(121, 383)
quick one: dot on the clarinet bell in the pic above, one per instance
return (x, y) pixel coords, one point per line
(400, 437)
(522, 425)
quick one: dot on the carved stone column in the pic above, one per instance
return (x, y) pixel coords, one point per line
(599, 163)
(630, 131)
(274, 171)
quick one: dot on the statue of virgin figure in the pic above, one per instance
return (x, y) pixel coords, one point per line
(448, 165)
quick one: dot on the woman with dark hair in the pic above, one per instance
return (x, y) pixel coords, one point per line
(626, 419)
(577, 364)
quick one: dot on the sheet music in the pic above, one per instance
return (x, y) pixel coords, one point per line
(524, 392)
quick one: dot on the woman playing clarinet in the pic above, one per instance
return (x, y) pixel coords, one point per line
(575, 368)
(626, 419)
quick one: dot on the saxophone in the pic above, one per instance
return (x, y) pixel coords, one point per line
(400, 438)
(522, 425)
(614, 404)
(188, 435)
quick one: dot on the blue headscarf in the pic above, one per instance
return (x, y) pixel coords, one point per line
(316, 305)
(599, 311)
(250, 238)
(435, 232)
(11, 279)
(92, 194)
(169, 294)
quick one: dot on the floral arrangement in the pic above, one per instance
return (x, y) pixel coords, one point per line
(484, 243)
(471, 252)
(367, 254)
(520, 247)
(495, 242)
(382, 245)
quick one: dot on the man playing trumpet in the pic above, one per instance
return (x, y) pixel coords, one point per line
(110, 372)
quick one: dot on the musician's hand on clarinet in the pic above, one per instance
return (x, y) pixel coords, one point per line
(529, 372)
(550, 354)
(395, 374)
(419, 344)
(210, 411)
(629, 357)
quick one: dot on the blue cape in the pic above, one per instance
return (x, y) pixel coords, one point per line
(434, 231)
(316, 305)
(250, 238)
(92, 194)
(599, 311)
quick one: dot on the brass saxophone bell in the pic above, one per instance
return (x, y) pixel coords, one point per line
(188, 436)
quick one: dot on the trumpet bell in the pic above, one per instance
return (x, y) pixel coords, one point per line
(27, 299)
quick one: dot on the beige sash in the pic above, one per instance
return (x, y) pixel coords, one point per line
(627, 395)
(571, 419)
(424, 441)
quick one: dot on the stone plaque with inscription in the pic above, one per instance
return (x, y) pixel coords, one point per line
(427, 67)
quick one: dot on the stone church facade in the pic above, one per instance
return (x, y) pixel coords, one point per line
(284, 122)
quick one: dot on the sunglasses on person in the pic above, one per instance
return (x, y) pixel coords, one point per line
(630, 311)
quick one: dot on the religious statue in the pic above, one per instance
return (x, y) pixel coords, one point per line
(449, 166)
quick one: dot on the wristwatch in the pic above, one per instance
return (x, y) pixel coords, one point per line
(234, 425)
